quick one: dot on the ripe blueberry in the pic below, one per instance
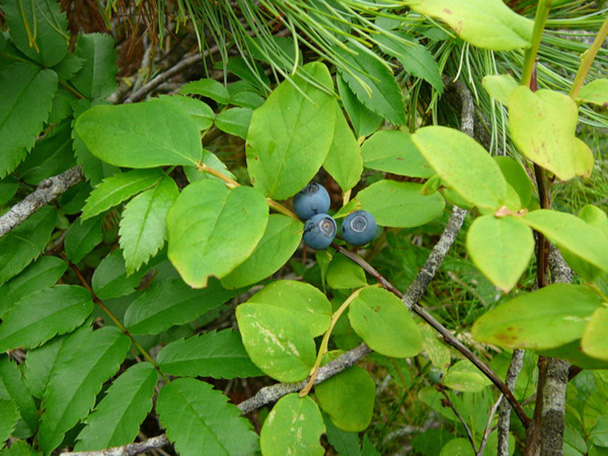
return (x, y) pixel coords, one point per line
(358, 228)
(312, 199)
(320, 231)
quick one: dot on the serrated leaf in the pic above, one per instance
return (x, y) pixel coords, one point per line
(67, 68)
(501, 248)
(13, 385)
(20, 448)
(40, 316)
(276, 341)
(280, 241)
(97, 78)
(595, 92)
(213, 354)
(118, 188)
(373, 84)
(41, 274)
(143, 224)
(234, 121)
(9, 415)
(499, 86)
(568, 231)
(594, 342)
(393, 151)
(415, 58)
(200, 111)
(27, 93)
(25, 242)
(212, 229)
(547, 318)
(140, 135)
(488, 24)
(363, 120)
(348, 398)
(344, 161)
(77, 379)
(345, 443)
(465, 376)
(294, 427)
(463, 164)
(384, 323)
(82, 237)
(110, 279)
(199, 420)
(543, 126)
(116, 419)
(306, 302)
(209, 88)
(400, 204)
(290, 134)
(171, 302)
(38, 29)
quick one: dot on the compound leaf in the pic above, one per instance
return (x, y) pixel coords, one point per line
(97, 78)
(82, 237)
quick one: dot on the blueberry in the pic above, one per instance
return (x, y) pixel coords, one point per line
(312, 199)
(435, 375)
(319, 231)
(358, 228)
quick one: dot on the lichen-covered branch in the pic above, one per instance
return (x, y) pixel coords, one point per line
(126, 450)
(47, 191)
(504, 412)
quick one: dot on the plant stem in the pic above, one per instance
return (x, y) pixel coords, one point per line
(587, 59)
(323, 348)
(542, 12)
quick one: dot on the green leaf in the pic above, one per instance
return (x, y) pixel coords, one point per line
(234, 121)
(595, 92)
(198, 110)
(246, 99)
(39, 364)
(345, 443)
(38, 29)
(97, 78)
(210, 159)
(594, 342)
(8, 189)
(415, 58)
(598, 435)
(568, 231)
(501, 248)
(400, 204)
(294, 427)
(212, 229)
(25, 242)
(116, 419)
(343, 273)
(199, 420)
(13, 385)
(373, 84)
(9, 415)
(118, 188)
(363, 120)
(547, 318)
(40, 316)
(171, 302)
(20, 448)
(27, 93)
(305, 302)
(213, 354)
(84, 365)
(291, 133)
(499, 86)
(209, 88)
(393, 151)
(344, 161)
(517, 178)
(595, 216)
(276, 341)
(463, 164)
(41, 274)
(281, 239)
(436, 350)
(457, 447)
(83, 237)
(110, 278)
(348, 398)
(143, 224)
(140, 135)
(488, 24)
(384, 323)
(465, 376)
(543, 126)
(67, 68)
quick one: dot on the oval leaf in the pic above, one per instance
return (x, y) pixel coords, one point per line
(211, 229)
(594, 342)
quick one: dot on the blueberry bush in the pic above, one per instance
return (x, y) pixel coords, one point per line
(238, 265)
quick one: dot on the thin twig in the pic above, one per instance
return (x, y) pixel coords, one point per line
(448, 403)
(488, 429)
(504, 413)
(47, 191)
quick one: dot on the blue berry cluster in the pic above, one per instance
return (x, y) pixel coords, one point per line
(312, 203)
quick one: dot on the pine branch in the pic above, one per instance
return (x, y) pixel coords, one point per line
(47, 191)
